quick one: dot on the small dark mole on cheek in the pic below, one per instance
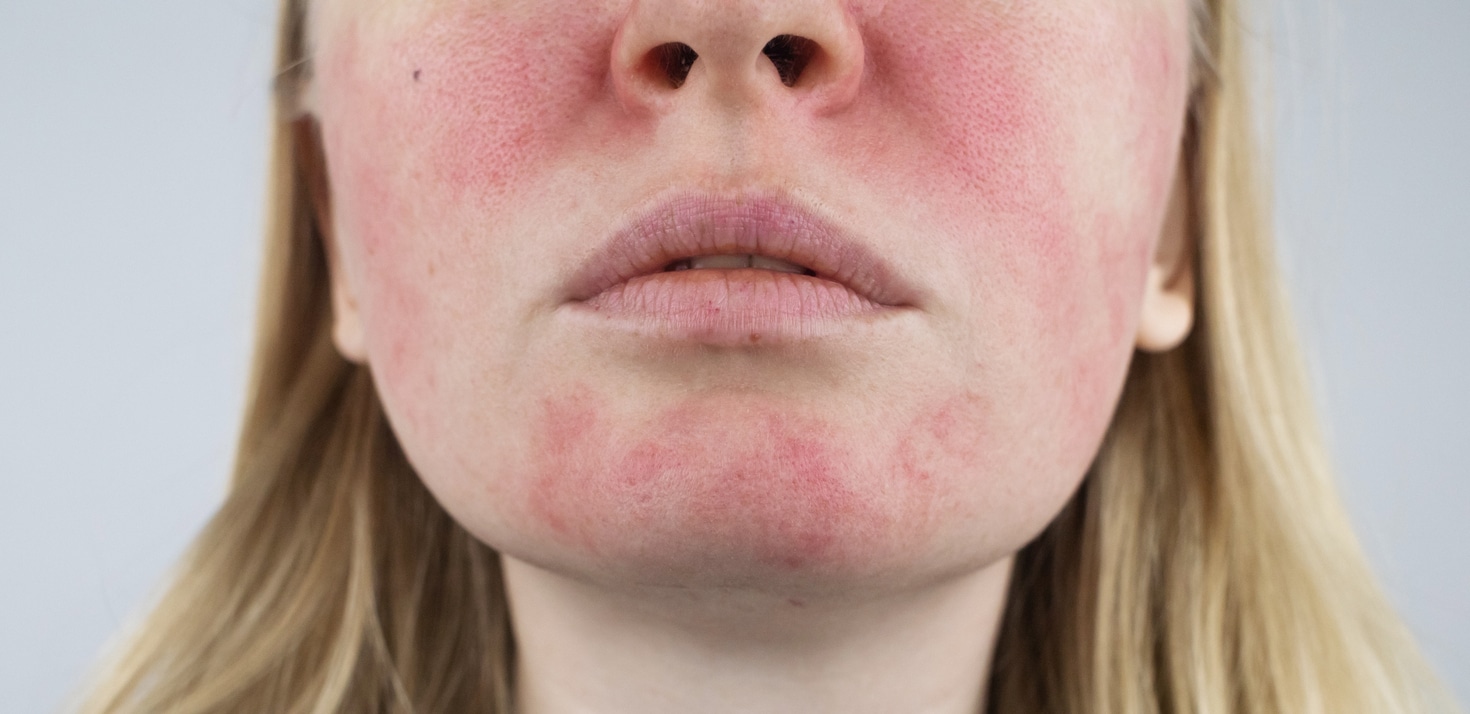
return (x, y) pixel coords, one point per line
(416, 74)
(796, 602)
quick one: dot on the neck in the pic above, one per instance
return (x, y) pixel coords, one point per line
(582, 648)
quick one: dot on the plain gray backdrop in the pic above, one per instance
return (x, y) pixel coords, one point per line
(132, 160)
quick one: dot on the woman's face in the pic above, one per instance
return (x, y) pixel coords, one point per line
(972, 192)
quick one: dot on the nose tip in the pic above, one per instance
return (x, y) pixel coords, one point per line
(744, 51)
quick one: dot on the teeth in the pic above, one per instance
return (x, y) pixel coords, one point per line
(716, 262)
(764, 263)
(735, 262)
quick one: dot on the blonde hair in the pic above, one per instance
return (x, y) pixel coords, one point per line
(1204, 565)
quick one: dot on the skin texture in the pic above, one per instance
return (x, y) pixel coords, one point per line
(1013, 161)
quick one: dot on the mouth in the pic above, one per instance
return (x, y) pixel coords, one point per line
(738, 262)
(733, 270)
(695, 232)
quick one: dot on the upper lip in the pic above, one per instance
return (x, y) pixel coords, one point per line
(687, 225)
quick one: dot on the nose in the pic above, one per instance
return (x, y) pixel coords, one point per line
(738, 52)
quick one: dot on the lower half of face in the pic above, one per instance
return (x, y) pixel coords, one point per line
(1009, 164)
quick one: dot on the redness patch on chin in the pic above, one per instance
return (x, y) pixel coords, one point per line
(950, 432)
(709, 483)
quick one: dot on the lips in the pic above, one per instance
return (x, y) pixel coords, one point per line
(736, 271)
(689, 229)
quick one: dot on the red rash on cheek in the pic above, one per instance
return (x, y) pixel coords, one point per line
(1032, 127)
(1046, 136)
(436, 121)
(705, 481)
(371, 217)
(960, 103)
(433, 123)
(484, 100)
(429, 126)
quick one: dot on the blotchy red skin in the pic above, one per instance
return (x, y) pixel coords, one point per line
(787, 500)
(477, 148)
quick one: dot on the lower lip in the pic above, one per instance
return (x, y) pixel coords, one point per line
(738, 307)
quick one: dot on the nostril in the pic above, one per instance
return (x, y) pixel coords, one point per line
(672, 62)
(791, 54)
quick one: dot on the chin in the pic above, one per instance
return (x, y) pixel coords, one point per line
(748, 492)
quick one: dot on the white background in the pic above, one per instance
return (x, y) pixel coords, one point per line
(132, 158)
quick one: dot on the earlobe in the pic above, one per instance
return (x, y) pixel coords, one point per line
(347, 327)
(347, 332)
(1167, 311)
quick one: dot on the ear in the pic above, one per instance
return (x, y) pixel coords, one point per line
(1169, 298)
(347, 332)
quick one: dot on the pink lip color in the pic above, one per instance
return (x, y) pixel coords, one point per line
(626, 280)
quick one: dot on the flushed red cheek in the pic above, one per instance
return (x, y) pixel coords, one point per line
(1044, 141)
(479, 101)
(371, 218)
(435, 122)
(961, 108)
(1036, 134)
(429, 128)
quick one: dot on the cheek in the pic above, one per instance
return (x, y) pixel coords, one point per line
(462, 101)
(495, 97)
(433, 123)
(1041, 137)
(1044, 140)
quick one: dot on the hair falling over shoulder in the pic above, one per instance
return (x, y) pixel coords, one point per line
(1204, 566)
